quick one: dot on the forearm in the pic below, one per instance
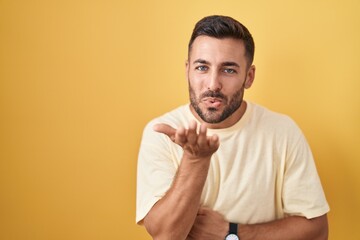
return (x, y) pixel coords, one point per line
(294, 228)
(173, 216)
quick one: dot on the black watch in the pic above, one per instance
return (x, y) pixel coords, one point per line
(232, 235)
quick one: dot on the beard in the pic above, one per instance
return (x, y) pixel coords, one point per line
(213, 115)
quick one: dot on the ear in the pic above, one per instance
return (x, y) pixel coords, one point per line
(250, 76)
(187, 67)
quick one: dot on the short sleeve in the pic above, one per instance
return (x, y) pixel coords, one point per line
(155, 170)
(302, 194)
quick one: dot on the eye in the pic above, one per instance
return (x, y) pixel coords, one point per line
(202, 68)
(230, 70)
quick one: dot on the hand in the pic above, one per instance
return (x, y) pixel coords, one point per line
(195, 145)
(208, 224)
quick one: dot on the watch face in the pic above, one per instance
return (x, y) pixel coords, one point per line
(232, 237)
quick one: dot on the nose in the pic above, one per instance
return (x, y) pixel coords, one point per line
(214, 82)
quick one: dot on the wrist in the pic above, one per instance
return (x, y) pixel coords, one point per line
(195, 164)
(196, 158)
(245, 232)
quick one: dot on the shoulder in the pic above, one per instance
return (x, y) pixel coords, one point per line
(271, 121)
(279, 128)
(263, 114)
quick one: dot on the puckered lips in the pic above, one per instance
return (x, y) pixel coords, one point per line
(211, 102)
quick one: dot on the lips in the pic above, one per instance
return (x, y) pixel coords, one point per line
(212, 102)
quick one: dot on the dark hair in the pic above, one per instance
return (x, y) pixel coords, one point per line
(224, 27)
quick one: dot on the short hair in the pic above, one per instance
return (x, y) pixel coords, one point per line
(224, 27)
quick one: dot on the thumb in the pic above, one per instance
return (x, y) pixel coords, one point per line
(165, 129)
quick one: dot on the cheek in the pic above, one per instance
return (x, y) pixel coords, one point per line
(235, 85)
(194, 92)
(232, 90)
(197, 83)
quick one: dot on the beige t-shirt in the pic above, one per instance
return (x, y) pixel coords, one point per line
(262, 171)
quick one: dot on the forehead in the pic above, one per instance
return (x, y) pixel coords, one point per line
(217, 50)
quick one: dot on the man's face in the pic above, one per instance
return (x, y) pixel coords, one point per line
(217, 74)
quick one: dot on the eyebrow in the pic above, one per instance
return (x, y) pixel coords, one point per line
(230, 64)
(201, 61)
(224, 64)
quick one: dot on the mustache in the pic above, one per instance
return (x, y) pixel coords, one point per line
(213, 94)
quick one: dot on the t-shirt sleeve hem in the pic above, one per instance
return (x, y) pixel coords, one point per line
(141, 212)
(311, 213)
(318, 212)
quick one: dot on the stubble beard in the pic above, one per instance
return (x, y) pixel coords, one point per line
(212, 115)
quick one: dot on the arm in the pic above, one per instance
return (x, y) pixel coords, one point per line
(295, 228)
(211, 225)
(173, 216)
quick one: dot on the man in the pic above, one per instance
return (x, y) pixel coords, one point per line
(221, 167)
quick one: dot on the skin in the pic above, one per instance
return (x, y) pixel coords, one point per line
(218, 66)
(218, 74)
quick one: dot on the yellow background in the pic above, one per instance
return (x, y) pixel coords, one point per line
(80, 79)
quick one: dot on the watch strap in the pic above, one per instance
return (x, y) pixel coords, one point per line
(233, 228)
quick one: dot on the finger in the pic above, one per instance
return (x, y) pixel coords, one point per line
(214, 142)
(180, 136)
(165, 129)
(202, 138)
(192, 135)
